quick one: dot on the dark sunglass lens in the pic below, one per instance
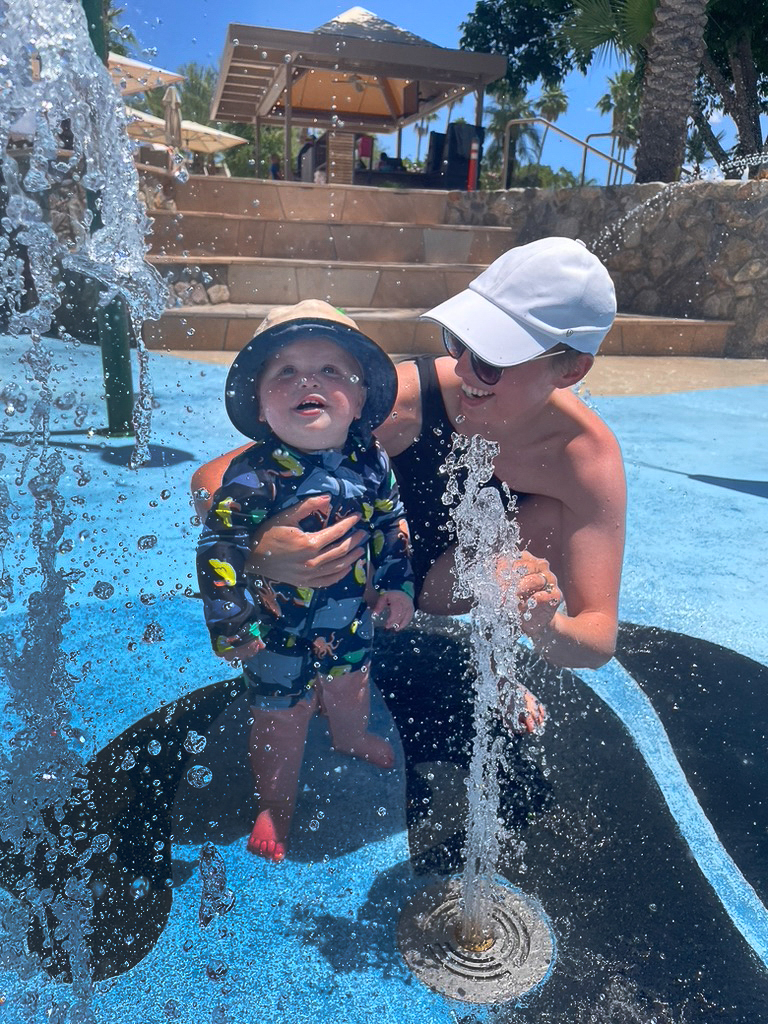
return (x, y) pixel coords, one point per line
(485, 372)
(453, 346)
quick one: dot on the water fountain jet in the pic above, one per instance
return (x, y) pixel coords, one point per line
(474, 938)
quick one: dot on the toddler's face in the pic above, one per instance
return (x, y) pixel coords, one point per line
(310, 392)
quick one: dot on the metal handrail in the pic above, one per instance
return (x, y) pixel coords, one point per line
(572, 138)
(601, 135)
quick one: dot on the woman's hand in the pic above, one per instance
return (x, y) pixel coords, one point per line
(393, 609)
(523, 711)
(283, 551)
(538, 594)
(243, 652)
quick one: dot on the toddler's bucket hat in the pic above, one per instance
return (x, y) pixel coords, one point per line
(309, 320)
(549, 292)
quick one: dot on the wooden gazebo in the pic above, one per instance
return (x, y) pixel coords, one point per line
(355, 74)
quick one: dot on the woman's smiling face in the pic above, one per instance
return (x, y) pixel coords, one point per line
(519, 391)
(310, 393)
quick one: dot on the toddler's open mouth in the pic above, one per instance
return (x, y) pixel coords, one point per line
(311, 404)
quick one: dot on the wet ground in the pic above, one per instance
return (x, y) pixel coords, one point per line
(638, 822)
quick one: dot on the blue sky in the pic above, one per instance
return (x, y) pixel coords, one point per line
(177, 31)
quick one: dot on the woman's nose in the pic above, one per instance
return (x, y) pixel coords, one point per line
(463, 363)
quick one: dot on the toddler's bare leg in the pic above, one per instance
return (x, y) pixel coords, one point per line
(276, 752)
(347, 702)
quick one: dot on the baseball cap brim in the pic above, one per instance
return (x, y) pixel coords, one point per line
(492, 334)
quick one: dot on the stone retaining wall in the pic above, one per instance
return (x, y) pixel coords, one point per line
(687, 250)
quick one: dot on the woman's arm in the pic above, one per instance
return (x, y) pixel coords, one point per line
(571, 569)
(207, 480)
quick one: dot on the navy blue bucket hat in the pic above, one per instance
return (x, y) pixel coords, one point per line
(309, 320)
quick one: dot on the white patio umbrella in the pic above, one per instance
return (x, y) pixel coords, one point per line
(133, 76)
(198, 138)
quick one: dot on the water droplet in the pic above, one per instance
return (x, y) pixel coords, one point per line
(139, 887)
(103, 590)
(146, 542)
(100, 843)
(382, 812)
(314, 825)
(154, 747)
(66, 401)
(199, 776)
(154, 632)
(194, 742)
(216, 970)
(128, 761)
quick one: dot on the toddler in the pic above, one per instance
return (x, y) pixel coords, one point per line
(308, 389)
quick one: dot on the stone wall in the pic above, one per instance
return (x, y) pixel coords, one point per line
(686, 250)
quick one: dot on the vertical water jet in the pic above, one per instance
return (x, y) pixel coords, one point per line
(474, 938)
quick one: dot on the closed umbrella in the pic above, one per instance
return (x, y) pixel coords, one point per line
(172, 108)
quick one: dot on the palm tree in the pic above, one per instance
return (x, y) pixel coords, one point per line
(119, 37)
(622, 102)
(675, 53)
(512, 104)
(666, 40)
(422, 129)
(550, 105)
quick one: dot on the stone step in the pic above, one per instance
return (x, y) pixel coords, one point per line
(228, 327)
(342, 283)
(201, 234)
(633, 335)
(288, 200)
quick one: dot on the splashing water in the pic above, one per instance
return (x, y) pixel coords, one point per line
(63, 147)
(215, 898)
(487, 544)
(57, 96)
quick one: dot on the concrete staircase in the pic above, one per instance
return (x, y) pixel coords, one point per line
(383, 255)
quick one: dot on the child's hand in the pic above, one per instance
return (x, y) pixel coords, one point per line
(393, 609)
(243, 652)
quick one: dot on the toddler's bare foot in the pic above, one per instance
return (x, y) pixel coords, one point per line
(372, 748)
(269, 835)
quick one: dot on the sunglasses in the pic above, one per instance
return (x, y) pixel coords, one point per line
(486, 373)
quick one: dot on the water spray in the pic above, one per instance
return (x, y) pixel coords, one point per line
(474, 938)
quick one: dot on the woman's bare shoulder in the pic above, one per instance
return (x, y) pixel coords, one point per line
(403, 425)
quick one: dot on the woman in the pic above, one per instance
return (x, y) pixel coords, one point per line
(523, 333)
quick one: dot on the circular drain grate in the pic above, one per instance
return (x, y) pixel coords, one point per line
(517, 960)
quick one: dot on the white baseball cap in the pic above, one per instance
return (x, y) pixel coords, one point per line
(552, 291)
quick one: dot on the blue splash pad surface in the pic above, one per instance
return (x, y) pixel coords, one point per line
(695, 553)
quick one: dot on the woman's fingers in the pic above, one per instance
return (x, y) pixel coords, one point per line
(537, 582)
(283, 550)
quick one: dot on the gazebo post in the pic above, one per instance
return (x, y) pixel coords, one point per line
(479, 97)
(257, 142)
(287, 156)
(399, 141)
